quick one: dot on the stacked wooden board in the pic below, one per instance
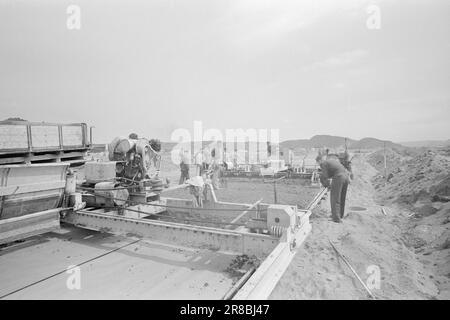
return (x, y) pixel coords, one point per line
(32, 142)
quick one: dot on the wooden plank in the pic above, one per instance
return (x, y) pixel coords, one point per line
(176, 187)
(246, 211)
(211, 189)
(75, 157)
(45, 137)
(263, 281)
(72, 136)
(23, 136)
(13, 137)
(317, 198)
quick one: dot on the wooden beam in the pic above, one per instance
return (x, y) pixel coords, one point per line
(246, 211)
(213, 194)
(352, 270)
(317, 198)
(176, 187)
(263, 281)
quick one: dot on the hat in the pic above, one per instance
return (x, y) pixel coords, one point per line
(196, 181)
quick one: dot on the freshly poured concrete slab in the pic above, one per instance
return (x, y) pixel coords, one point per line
(143, 270)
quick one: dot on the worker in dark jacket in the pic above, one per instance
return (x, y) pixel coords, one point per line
(334, 170)
(184, 167)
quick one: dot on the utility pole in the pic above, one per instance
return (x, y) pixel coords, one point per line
(275, 191)
(385, 162)
(275, 198)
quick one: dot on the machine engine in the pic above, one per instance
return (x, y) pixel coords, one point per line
(134, 157)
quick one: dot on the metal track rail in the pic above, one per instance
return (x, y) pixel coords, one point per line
(234, 241)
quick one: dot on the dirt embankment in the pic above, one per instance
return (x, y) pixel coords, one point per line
(371, 241)
(421, 178)
(421, 186)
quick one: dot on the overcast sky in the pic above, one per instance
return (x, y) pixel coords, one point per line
(304, 67)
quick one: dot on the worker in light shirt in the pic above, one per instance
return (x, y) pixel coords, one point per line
(199, 163)
(215, 168)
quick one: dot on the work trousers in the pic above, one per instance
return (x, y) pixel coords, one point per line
(339, 185)
(184, 173)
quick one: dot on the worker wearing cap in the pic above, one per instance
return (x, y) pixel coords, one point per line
(196, 189)
(334, 170)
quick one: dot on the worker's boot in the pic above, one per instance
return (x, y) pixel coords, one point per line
(337, 220)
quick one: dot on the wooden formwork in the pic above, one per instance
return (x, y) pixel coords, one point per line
(31, 142)
(261, 284)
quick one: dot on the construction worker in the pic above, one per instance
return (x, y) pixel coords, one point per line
(199, 162)
(206, 157)
(334, 170)
(196, 189)
(215, 168)
(184, 168)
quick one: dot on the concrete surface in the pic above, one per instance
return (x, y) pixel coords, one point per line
(144, 270)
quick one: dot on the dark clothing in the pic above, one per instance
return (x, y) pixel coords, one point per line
(330, 168)
(184, 172)
(338, 194)
(334, 170)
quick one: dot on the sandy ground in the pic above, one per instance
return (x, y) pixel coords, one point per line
(367, 238)
(144, 270)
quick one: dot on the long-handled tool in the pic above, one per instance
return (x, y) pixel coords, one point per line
(353, 270)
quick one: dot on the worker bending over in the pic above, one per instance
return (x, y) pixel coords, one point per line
(334, 170)
(197, 189)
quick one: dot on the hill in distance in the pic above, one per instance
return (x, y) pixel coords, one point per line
(372, 143)
(327, 141)
(323, 141)
(318, 141)
(426, 143)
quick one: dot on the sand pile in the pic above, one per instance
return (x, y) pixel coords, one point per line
(421, 185)
(393, 158)
(368, 239)
(412, 180)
